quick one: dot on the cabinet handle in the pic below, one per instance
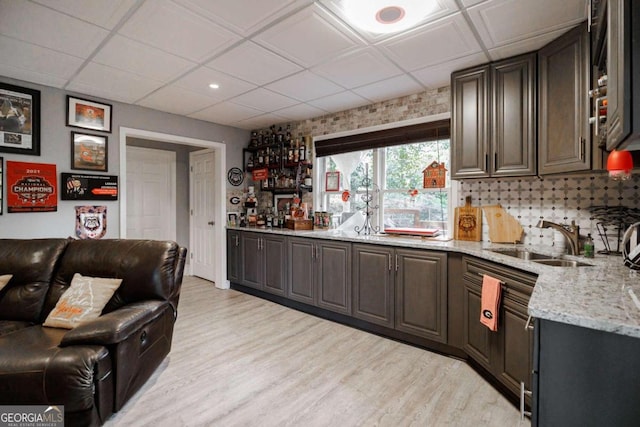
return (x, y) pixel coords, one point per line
(390, 262)
(582, 148)
(495, 161)
(523, 393)
(317, 252)
(396, 263)
(529, 325)
(589, 17)
(237, 243)
(313, 251)
(486, 162)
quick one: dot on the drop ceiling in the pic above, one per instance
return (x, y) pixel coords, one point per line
(275, 61)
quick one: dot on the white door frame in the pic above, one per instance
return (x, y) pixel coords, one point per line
(220, 257)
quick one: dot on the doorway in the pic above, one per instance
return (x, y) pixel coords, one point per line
(202, 203)
(218, 252)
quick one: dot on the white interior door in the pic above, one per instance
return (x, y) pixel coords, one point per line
(151, 194)
(202, 209)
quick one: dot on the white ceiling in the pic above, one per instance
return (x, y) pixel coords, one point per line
(275, 60)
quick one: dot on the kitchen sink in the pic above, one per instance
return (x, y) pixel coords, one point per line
(562, 263)
(522, 254)
(541, 258)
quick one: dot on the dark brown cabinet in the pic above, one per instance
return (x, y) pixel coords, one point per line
(507, 353)
(320, 273)
(494, 119)
(402, 289)
(623, 72)
(263, 262)
(373, 280)
(233, 256)
(564, 141)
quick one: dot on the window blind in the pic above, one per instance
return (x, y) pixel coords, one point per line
(430, 131)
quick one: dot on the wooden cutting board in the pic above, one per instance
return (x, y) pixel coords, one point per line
(468, 222)
(503, 228)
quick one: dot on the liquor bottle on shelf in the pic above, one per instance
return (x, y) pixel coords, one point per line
(287, 138)
(296, 151)
(307, 178)
(250, 162)
(267, 157)
(260, 158)
(302, 150)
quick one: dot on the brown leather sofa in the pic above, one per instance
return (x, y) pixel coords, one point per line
(96, 367)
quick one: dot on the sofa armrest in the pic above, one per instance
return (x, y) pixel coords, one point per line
(116, 326)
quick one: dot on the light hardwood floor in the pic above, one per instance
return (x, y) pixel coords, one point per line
(238, 360)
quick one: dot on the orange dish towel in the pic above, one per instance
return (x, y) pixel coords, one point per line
(491, 293)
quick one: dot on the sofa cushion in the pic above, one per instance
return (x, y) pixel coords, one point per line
(34, 370)
(146, 268)
(83, 301)
(32, 263)
(9, 326)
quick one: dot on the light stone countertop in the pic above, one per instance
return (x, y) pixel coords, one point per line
(604, 296)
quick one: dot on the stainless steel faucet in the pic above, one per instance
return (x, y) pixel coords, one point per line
(570, 232)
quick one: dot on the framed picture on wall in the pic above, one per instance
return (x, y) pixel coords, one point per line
(88, 152)
(85, 114)
(332, 181)
(19, 120)
(1, 183)
(280, 201)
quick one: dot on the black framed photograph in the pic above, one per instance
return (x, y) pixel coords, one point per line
(19, 120)
(88, 152)
(86, 114)
(1, 183)
(280, 201)
(88, 187)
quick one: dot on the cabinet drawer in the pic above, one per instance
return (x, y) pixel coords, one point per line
(519, 284)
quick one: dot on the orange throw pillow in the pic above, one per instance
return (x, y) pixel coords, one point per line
(4, 279)
(82, 302)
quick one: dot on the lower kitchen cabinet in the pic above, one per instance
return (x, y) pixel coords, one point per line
(402, 289)
(507, 353)
(233, 256)
(263, 262)
(584, 377)
(319, 273)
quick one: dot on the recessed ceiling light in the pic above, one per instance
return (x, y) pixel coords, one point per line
(214, 86)
(387, 16)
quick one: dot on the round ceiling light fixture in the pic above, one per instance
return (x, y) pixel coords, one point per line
(387, 16)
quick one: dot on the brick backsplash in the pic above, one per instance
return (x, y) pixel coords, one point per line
(556, 199)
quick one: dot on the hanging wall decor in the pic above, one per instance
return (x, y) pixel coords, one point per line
(91, 222)
(31, 187)
(434, 175)
(85, 114)
(19, 120)
(89, 152)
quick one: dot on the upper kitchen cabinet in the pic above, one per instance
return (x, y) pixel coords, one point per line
(564, 139)
(623, 71)
(494, 119)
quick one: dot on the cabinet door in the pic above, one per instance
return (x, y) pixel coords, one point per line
(421, 294)
(274, 252)
(233, 256)
(333, 276)
(623, 88)
(515, 362)
(301, 254)
(563, 126)
(479, 341)
(373, 274)
(514, 126)
(252, 260)
(469, 123)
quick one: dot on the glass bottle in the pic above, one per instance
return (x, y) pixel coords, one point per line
(589, 247)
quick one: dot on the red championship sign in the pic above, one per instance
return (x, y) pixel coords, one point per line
(260, 174)
(31, 187)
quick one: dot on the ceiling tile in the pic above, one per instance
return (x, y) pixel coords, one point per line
(226, 113)
(199, 80)
(309, 37)
(130, 55)
(339, 102)
(174, 29)
(176, 100)
(300, 112)
(358, 68)
(27, 61)
(524, 46)
(305, 86)
(390, 88)
(243, 16)
(254, 64)
(110, 83)
(264, 100)
(42, 26)
(469, 3)
(441, 9)
(260, 122)
(502, 22)
(440, 75)
(434, 43)
(103, 13)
